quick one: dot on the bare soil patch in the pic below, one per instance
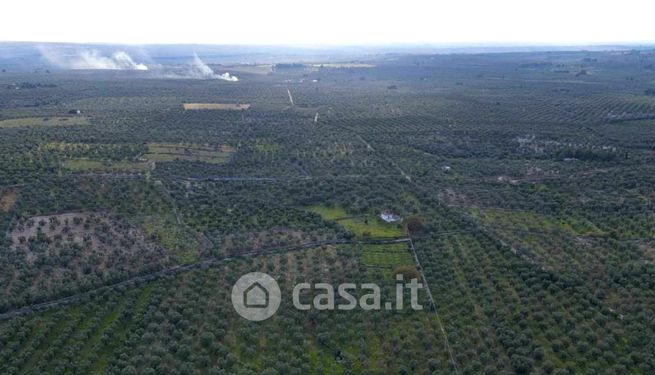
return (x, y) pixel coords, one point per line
(70, 250)
(452, 197)
(8, 199)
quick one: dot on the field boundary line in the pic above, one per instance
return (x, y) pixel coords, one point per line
(433, 306)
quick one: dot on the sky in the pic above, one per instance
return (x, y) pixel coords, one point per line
(329, 22)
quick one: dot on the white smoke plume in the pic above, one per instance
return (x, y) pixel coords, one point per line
(92, 59)
(123, 60)
(200, 70)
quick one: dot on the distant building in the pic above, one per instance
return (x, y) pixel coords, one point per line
(389, 216)
(446, 169)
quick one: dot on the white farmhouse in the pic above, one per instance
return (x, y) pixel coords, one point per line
(389, 216)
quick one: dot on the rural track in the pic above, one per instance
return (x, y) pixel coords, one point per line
(279, 179)
(370, 148)
(185, 268)
(290, 97)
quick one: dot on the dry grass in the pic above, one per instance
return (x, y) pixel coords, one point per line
(215, 106)
(8, 199)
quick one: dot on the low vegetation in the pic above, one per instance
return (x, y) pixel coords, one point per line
(106, 166)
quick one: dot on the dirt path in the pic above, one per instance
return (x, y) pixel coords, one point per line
(370, 148)
(276, 179)
(290, 97)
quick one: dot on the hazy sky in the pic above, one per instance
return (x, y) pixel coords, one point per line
(328, 21)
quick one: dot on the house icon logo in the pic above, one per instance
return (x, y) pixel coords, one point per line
(256, 296)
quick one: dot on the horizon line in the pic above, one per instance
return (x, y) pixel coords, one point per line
(360, 45)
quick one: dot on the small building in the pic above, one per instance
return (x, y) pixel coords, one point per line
(446, 169)
(390, 217)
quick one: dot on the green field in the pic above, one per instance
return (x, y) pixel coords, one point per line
(387, 256)
(363, 226)
(44, 121)
(134, 161)
(79, 165)
(180, 242)
(534, 222)
(166, 152)
(265, 147)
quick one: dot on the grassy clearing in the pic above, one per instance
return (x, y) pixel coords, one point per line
(530, 221)
(329, 213)
(387, 256)
(369, 226)
(266, 147)
(44, 121)
(8, 199)
(178, 241)
(166, 152)
(215, 106)
(82, 164)
(157, 152)
(363, 226)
